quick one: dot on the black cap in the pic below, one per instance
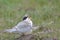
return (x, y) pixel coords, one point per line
(24, 18)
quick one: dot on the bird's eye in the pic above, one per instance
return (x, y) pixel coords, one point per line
(24, 18)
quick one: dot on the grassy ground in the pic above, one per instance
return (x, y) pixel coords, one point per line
(12, 11)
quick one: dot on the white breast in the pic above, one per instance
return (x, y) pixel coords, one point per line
(29, 21)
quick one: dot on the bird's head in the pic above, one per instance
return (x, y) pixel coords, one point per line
(26, 17)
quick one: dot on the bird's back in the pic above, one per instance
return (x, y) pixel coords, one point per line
(23, 26)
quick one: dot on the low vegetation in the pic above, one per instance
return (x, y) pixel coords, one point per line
(41, 11)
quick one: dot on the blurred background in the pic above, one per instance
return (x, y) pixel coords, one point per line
(41, 11)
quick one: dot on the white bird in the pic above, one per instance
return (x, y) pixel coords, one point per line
(24, 26)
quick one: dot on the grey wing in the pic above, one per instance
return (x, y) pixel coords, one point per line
(23, 26)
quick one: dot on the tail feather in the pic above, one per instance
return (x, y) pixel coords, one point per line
(8, 30)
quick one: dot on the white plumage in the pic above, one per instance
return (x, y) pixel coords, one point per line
(24, 26)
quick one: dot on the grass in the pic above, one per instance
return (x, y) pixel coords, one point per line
(12, 11)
